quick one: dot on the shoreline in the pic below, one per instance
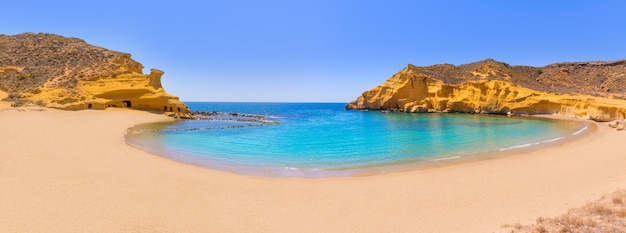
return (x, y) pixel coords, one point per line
(73, 172)
(409, 164)
(589, 128)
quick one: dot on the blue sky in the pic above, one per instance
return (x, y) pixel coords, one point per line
(323, 51)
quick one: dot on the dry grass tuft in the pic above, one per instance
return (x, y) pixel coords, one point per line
(540, 229)
(621, 213)
(540, 220)
(600, 209)
(605, 215)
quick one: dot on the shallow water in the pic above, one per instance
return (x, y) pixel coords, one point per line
(314, 140)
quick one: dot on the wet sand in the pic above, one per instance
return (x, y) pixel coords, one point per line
(71, 171)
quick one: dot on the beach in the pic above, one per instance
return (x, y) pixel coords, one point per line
(71, 171)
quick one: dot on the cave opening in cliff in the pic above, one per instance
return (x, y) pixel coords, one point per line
(89, 106)
(126, 103)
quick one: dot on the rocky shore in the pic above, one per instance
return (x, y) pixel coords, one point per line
(594, 90)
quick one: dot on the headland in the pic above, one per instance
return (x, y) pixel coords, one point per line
(594, 90)
(53, 71)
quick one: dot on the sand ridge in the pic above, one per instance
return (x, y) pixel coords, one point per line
(71, 171)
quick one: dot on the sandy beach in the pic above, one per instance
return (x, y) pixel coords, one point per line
(71, 171)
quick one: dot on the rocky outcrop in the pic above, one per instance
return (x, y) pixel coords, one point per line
(67, 73)
(595, 90)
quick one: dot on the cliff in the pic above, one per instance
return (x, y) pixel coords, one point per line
(587, 89)
(68, 73)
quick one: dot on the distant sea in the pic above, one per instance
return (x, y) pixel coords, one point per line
(324, 139)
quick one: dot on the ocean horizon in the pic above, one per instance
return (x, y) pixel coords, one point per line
(325, 139)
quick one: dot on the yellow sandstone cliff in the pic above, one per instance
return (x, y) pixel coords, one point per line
(132, 90)
(491, 87)
(67, 73)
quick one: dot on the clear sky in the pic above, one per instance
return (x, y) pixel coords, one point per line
(323, 50)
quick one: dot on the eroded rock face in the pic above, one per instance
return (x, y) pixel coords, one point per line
(497, 88)
(67, 73)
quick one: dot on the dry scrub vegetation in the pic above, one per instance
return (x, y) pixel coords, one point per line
(29, 62)
(607, 215)
(591, 78)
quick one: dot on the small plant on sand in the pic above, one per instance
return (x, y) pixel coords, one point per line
(605, 215)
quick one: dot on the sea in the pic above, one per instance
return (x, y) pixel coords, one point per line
(325, 139)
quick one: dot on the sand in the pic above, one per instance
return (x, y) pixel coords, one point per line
(63, 171)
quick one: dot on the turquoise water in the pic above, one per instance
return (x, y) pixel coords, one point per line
(313, 140)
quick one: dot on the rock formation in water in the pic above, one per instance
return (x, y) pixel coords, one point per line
(588, 89)
(67, 73)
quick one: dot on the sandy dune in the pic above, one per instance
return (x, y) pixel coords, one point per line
(63, 171)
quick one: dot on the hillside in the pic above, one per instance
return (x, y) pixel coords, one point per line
(590, 78)
(68, 73)
(591, 89)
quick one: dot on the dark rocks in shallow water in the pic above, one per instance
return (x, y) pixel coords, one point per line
(232, 116)
(240, 120)
(195, 128)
